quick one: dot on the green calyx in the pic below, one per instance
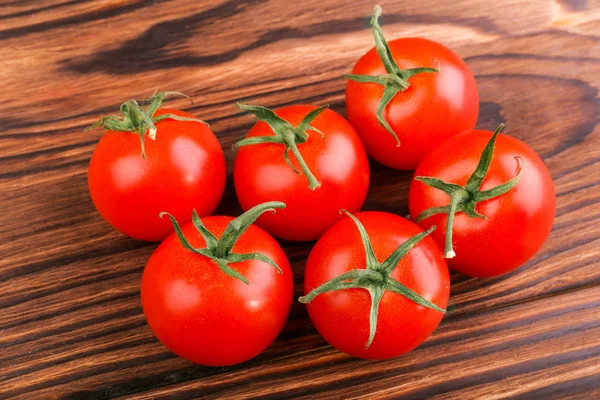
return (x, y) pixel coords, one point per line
(287, 135)
(136, 120)
(465, 198)
(220, 250)
(395, 81)
(375, 278)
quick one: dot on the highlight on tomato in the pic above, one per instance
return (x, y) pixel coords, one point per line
(218, 290)
(132, 179)
(370, 308)
(493, 197)
(306, 156)
(406, 96)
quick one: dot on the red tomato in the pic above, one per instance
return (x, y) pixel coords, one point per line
(516, 223)
(207, 316)
(184, 169)
(342, 316)
(434, 107)
(337, 160)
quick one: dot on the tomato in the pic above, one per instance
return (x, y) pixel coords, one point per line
(406, 104)
(362, 293)
(218, 300)
(311, 159)
(183, 168)
(505, 216)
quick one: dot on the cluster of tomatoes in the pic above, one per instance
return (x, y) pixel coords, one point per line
(218, 289)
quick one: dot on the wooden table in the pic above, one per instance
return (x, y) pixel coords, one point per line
(71, 325)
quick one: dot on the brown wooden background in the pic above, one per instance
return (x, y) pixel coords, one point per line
(71, 325)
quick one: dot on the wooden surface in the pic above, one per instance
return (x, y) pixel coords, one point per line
(71, 325)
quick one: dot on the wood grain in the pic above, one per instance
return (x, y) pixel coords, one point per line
(71, 324)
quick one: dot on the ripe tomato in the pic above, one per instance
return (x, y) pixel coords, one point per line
(183, 169)
(323, 174)
(218, 300)
(367, 307)
(420, 106)
(490, 235)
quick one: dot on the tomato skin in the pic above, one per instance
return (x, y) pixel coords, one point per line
(338, 161)
(342, 316)
(518, 222)
(434, 107)
(184, 169)
(200, 313)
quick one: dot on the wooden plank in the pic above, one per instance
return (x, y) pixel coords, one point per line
(487, 347)
(71, 323)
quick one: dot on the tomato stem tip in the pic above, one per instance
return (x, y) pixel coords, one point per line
(375, 278)
(287, 135)
(220, 249)
(464, 199)
(137, 120)
(396, 80)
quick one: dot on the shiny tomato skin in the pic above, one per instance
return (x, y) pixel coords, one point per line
(518, 222)
(342, 317)
(338, 161)
(184, 169)
(434, 107)
(206, 316)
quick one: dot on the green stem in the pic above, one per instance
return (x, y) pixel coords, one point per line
(381, 45)
(465, 198)
(330, 285)
(396, 287)
(376, 293)
(136, 120)
(238, 226)
(371, 260)
(476, 179)
(456, 199)
(395, 80)
(375, 278)
(285, 134)
(392, 261)
(220, 250)
(313, 183)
